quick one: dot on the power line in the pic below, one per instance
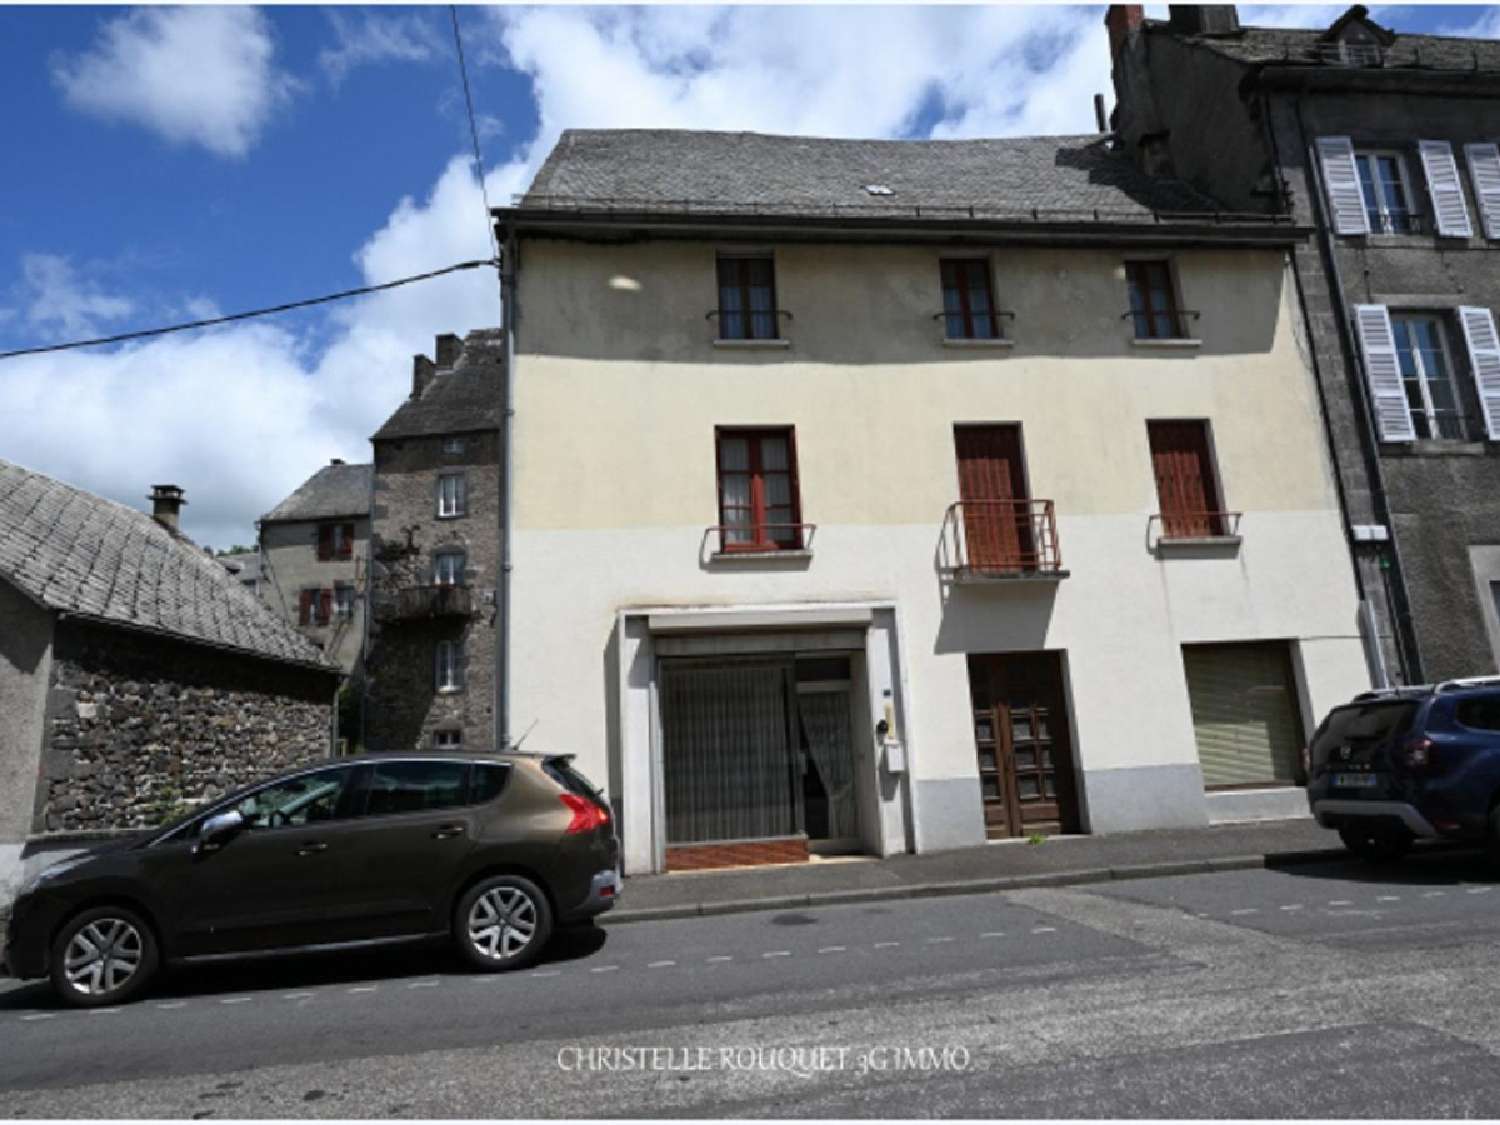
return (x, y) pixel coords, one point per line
(463, 71)
(290, 305)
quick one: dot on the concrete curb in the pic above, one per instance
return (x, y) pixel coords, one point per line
(972, 886)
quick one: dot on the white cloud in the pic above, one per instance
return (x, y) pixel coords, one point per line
(1485, 25)
(199, 75)
(59, 303)
(369, 39)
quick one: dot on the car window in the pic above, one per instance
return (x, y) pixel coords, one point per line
(489, 780)
(1481, 713)
(1364, 724)
(572, 779)
(306, 799)
(402, 787)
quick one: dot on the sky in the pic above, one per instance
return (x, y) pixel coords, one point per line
(171, 164)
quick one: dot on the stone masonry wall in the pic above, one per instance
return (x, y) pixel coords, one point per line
(140, 728)
(403, 707)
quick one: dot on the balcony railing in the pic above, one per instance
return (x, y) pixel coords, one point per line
(1176, 527)
(419, 603)
(763, 538)
(985, 539)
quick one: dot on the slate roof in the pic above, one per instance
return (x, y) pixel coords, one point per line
(79, 553)
(672, 170)
(334, 490)
(1255, 45)
(459, 399)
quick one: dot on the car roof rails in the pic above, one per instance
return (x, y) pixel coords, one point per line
(1467, 682)
(1399, 691)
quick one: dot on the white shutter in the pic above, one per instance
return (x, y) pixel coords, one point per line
(1346, 203)
(1484, 173)
(1377, 343)
(1484, 361)
(1444, 188)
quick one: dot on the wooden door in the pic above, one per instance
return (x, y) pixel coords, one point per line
(997, 536)
(1022, 739)
(1185, 483)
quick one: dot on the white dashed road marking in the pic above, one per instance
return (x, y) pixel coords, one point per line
(994, 933)
(937, 940)
(777, 953)
(1478, 891)
(661, 964)
(1245, 910)
(1340, 902)
(297, 996)
(1045, 930)
(1433, 894)
(537, 973)
(363, 988)
(721, 957)
(1293, 906)
(605, 969)
(39, 1016)
(886, 944)
(423, 984)
(1387, 898)
(172, 1005)
(834, 949)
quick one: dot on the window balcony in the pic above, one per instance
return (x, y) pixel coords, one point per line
(999, 541)
(422, 603)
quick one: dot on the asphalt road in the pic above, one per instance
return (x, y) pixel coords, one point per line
(1329, 991)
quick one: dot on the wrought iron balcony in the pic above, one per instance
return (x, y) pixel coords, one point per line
(985, 540)
(420, 603)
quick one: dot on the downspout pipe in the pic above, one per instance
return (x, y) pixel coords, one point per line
(1405, 636)
(508, 264)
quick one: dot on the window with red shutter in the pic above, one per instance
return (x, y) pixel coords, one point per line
(305, 601)
(325, 542)
(1185, 481)
(325, 606)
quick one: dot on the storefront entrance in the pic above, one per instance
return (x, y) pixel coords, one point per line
(757, 759)
(1022, 738)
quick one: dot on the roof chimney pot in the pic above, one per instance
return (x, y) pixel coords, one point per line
(166, 505)
(1121, 20)
(422, 371)
(448, 348)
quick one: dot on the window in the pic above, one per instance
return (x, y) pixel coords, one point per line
(747, 298)
(403, 787)
(1386, 191)
(968, 304)
(306, 799)
(1427, 375)
(453, 445)
(450, 666)
(1153, 301)
(451, 495)
(1182, 461)
(343, 600)
(1480, 713)
(758, 505)
(314, 606)
(489, 781)
(335, 541)
(448, 568)
(447, 739)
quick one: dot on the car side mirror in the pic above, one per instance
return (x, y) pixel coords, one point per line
(219, 829)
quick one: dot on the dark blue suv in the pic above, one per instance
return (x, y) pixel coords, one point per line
(1401, 763)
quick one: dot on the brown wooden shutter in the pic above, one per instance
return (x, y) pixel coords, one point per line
(991, 482)
(305, 606)
(346, 547)
(325, 542)
(325, 606)
(1184, 479)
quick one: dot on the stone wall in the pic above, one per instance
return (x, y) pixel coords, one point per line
(140, 727)
(403, 707)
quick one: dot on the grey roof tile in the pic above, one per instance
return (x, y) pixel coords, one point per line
(673, 169)
(334, 490)
(75, 552)
(1293, 45)
(459, 399)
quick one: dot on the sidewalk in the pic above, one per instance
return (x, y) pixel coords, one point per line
(1007, 865)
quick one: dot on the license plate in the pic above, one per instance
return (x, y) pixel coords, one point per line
(1356, 780)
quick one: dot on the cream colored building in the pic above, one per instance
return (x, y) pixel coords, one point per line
(1141, 605)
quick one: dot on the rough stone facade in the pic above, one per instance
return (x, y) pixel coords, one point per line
(1242, 132)
(404, 708)
(141, 727)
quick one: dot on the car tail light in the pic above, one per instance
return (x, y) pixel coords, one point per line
(1420, 753)
(587, 815)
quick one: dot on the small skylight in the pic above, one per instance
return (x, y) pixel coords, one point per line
(878, 189)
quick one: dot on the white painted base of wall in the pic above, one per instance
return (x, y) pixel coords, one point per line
(1235, 806)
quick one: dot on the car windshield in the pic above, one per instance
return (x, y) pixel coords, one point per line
(1363, 724)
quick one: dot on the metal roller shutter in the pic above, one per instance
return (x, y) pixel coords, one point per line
(1245, 713)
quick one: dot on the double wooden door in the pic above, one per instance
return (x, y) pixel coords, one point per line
(992, 485)
(1022, 739)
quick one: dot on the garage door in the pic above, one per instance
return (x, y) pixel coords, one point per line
(1245, 713)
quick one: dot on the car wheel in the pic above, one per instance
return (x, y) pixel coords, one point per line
(1375, 845)
(502, 923)
(106, 955)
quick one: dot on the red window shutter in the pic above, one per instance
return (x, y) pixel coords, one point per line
(304, 607)
(346, 548)
(325, 542)
(325, 606)
(1184, 479)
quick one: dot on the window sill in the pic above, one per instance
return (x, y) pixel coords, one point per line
(452, 516)
(1169, 344)
(779, 342)
(964, 342)
(1437, 447)
(450, 691)
(787, 554)
(1200, 544)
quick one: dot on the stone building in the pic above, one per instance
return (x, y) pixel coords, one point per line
(887, 496)
(430, 667)
(314, 556)
(137, 676)
(1385, 144)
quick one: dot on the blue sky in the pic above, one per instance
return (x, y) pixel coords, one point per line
(169, 163)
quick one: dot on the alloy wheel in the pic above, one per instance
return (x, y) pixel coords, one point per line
(103, 956)
(502, 922)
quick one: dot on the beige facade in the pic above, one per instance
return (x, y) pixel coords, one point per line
(290, 565)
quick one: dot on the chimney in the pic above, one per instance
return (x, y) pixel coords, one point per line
(335, 460)
(422, 371)
(1121, 20)
(166, 504)
(1203, 19)
(448, 348)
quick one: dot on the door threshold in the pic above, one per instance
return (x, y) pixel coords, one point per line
(1047, 837)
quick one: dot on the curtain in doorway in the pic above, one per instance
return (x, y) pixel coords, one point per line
(826, 726)
(727, 760)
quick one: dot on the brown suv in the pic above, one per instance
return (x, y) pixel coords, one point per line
(489, 851)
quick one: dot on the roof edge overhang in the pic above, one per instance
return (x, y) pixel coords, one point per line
(1395, 80)
(269, 519)
(631, 225)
